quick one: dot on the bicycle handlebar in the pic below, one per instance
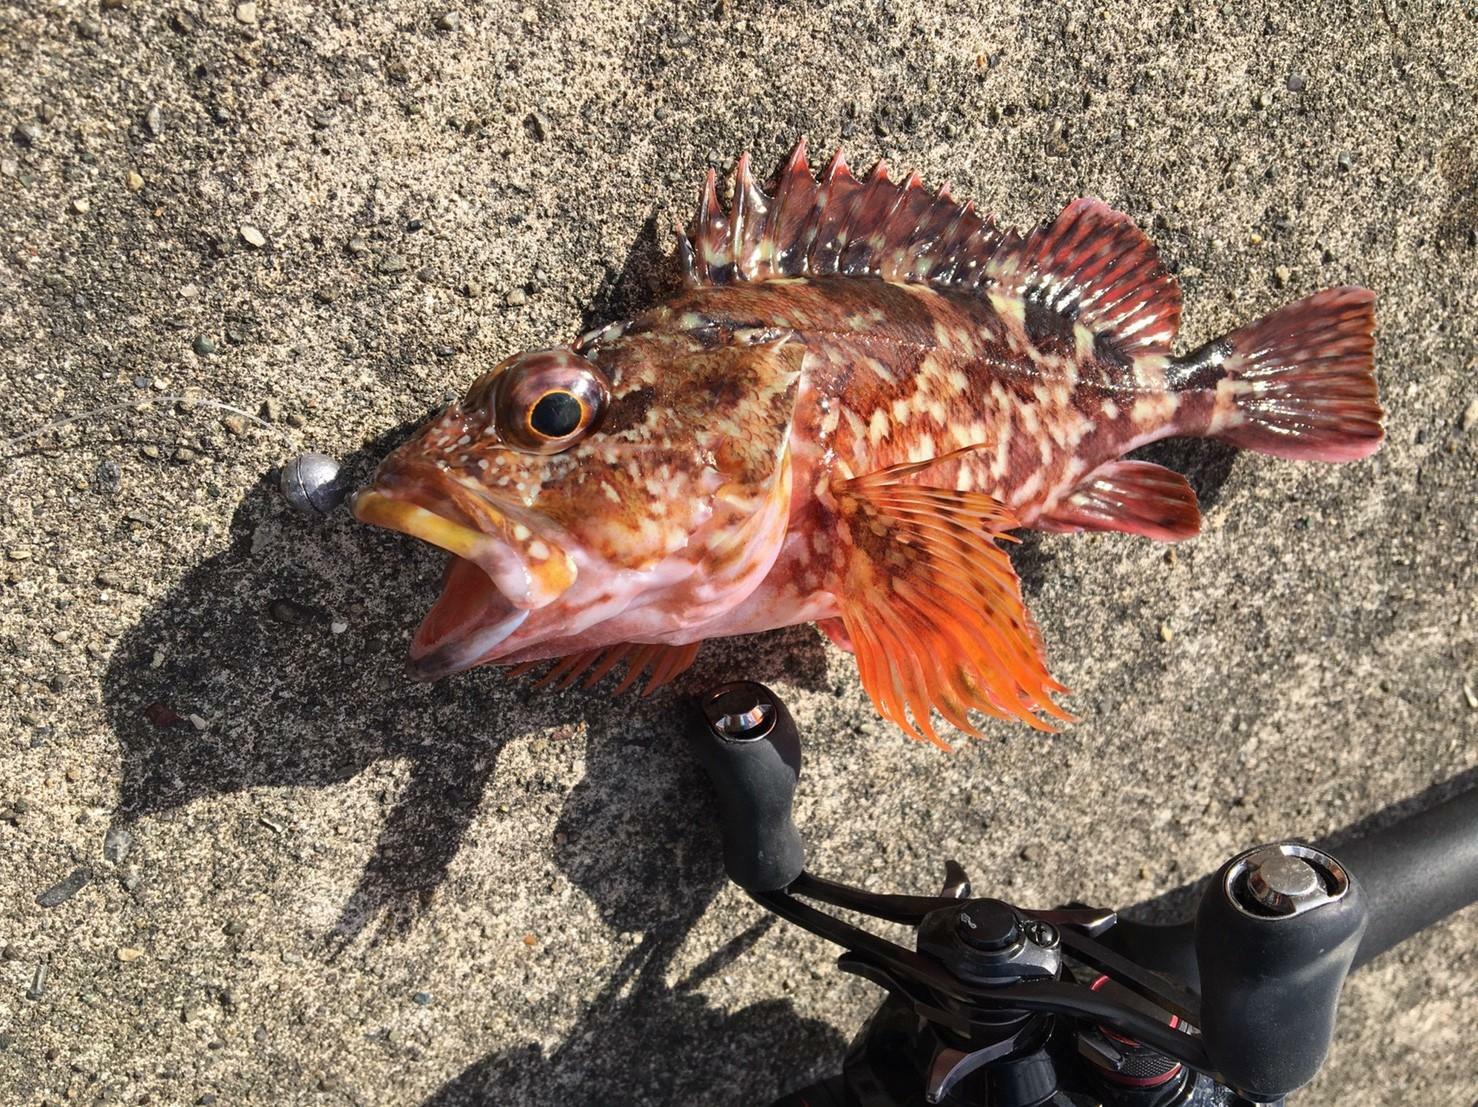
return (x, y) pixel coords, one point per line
(1414, 873)
(1278, 929)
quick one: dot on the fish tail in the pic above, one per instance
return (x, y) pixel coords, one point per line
(1299, 383)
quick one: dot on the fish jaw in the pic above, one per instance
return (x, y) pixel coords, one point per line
(526, 585)
(469, 623)
(499, 573)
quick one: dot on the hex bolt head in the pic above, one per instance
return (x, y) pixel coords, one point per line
(1283, 879)
(1044, 934)
(740, 712)
(1279, 881)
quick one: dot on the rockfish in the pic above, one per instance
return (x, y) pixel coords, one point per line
(863, 388)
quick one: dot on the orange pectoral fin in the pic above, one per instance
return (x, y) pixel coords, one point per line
(836, 630)
(662, 664)
(934, 609)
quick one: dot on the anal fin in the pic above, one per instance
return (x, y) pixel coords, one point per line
(663, 664)
(1135, 497)
(933, 607)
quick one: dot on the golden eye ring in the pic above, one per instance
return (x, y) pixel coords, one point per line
(557, 414)
(546, 401)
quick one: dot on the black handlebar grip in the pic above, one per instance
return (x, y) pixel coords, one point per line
(1275, 935)
(1416, 872)
(747, 742)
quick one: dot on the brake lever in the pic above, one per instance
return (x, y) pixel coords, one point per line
(1047, 996)
(890, 907)
(1158, 989)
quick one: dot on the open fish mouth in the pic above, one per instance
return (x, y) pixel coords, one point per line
(499, 572)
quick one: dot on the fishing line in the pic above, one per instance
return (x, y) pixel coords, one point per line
(140, 406)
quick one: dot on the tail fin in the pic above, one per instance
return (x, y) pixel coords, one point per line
(1303, 380)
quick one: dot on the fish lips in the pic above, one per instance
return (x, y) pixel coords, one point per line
(500, 572)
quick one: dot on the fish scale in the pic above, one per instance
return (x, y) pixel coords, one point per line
(862, 390)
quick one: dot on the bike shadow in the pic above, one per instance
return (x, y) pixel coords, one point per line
(642, 1038)
(1179, 903)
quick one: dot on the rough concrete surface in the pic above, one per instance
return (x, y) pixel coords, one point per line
(327, 884)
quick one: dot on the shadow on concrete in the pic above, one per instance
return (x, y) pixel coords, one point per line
(643, 1039)
(643, 1042)
(1179, 903)
(647, 275)
(1204, 462)
(247, 643)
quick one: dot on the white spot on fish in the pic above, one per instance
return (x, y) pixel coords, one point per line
(923, 449)
(1154, 410)
(877, 428)
(1003, 453)
(1029, 488)
(1083, 340)
(881, 370)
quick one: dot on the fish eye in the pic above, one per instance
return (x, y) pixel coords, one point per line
(545, 402)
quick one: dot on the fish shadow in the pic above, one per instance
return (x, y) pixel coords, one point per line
(1205, 463)
(285, 701)
(648, 274)
(279, 662)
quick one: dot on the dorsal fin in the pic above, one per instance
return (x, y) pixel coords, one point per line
(1091, 265)
(798, 226)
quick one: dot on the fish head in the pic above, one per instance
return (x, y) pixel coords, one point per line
(592, 495)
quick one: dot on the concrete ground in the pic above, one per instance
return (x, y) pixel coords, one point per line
(272, 870)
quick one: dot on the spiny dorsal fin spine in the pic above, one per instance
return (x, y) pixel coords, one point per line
(793, 210)
(1090, 265)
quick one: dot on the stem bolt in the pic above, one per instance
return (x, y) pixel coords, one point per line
(1284, 879)
(740, 712)
(1278, 881)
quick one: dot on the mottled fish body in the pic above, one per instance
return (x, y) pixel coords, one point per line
(861, 389)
